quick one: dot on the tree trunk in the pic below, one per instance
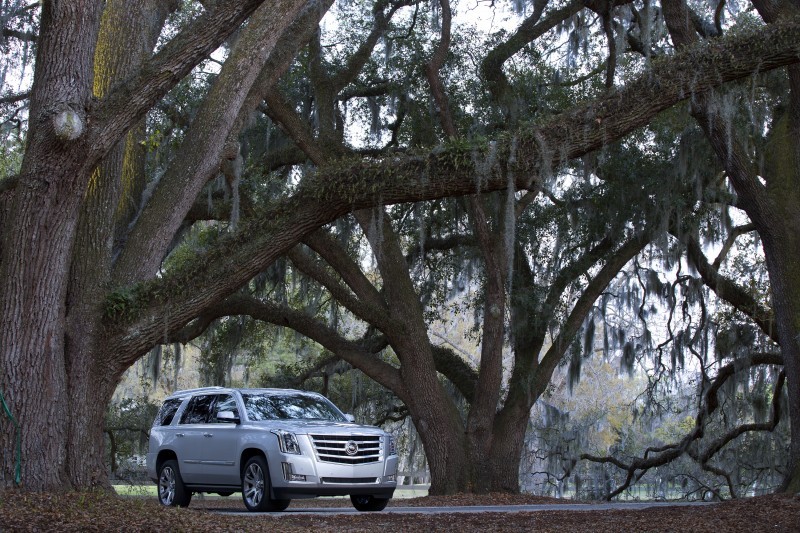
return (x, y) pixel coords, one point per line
(56, 378)
(780, 238)
(38, 236)
(439, 427)
(480, 432)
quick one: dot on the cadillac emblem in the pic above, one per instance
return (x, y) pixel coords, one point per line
(351, 448)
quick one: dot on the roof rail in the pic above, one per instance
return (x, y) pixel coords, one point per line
(193, 391)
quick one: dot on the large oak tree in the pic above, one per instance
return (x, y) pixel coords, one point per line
(79, 306)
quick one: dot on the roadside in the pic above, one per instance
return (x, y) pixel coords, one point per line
(20, 511)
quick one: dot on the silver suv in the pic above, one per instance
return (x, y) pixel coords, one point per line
(273, 445)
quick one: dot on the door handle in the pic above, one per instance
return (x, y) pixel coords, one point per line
(179, 434)
(208, 434)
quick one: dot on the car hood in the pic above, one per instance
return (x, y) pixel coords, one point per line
(318, 426)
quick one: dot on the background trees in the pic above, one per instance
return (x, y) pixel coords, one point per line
(108, 251)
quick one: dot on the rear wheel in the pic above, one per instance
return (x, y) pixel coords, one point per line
(171, 490)
(256, 487)
(368, 503)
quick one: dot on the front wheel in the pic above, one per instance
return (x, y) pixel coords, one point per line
(255, 487)
(368, 503)
(171, 490)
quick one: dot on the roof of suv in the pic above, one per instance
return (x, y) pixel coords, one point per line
(200, 390)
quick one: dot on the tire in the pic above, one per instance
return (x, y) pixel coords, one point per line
(256, 487)
(171, 490)
(368, 503)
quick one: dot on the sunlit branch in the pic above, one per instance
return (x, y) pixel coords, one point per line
(728, 244)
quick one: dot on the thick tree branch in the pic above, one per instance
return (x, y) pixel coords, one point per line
(367, 309)
(333, 253)
(280, 315)
(728, 290)
(129, 102)
(177, 297)
(199, 157)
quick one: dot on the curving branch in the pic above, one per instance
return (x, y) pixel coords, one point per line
(365, 302)
(360, 354)
(617, 260)
(729, 291)
(654, 457)
(531, 29)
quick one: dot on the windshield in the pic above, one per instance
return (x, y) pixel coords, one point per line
(297, 406)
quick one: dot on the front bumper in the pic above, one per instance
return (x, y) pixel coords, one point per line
(297, 476)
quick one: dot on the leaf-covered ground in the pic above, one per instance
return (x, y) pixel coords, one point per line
(20, 511)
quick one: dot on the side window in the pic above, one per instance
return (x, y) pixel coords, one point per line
(167, 412)
(198, 410)
(225, 402)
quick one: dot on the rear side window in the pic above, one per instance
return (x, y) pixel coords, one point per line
(167, 412)
(198, 410)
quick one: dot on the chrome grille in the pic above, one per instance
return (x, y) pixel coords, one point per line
(347, 449)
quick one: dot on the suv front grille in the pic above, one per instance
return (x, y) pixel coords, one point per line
(348, 450)
(350, 480)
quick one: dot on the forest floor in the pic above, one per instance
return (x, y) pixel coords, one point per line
(73, 512)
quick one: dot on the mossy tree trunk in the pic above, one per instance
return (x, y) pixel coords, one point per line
(58, 369)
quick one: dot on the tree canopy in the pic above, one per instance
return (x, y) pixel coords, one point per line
(173, 152)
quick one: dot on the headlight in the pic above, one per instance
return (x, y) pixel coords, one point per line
(287, 441)
(391, 446)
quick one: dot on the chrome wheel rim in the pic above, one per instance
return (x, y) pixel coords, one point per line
(253, 485)
(166, 486)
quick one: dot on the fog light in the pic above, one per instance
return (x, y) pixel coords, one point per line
(289, 475)
(387, 479)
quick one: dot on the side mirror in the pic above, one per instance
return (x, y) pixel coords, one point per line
(349, 417)
(228, 416)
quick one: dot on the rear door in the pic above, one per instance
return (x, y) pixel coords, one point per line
(189, 439)
(220, 453)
